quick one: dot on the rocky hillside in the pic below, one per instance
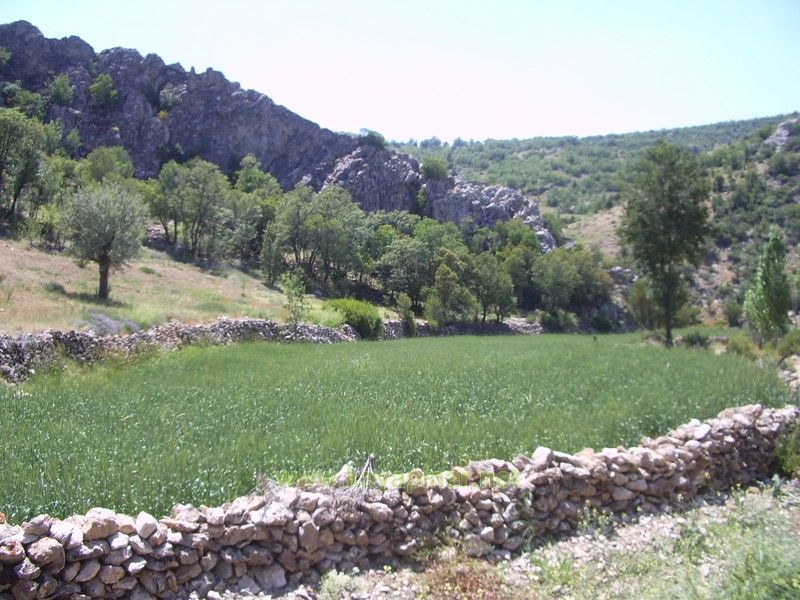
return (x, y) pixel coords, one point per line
(163, 111)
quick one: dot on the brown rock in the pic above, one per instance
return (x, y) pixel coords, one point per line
(88, 571)
(11, 552)
(45, 551)
(110, 574)
(99, 523)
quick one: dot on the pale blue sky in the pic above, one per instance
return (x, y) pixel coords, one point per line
(474, 69)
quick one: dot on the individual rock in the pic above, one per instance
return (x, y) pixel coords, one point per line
(146, 525)
(308, 536)
(271, 578)
(45, 551)
(26, 569)
(99, 523)
(110, 574)
(88, 571)
(378, 512)
(11, 552)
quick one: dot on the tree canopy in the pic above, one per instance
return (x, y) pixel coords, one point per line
(666, 221)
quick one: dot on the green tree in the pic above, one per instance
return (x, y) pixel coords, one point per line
(666, 221)
(21, 141)
(403, 268)
(493, 287)
(331, 221)
(30, 103)
(448, 300)
(102, 91)
(61, 91)
(107, 164)
(768, 300)
(105, 225)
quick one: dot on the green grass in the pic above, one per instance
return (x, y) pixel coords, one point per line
(198, 425)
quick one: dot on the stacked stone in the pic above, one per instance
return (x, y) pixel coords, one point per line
(20, 355)
(262, 543)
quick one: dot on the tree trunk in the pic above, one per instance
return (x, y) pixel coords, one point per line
(105, 266)
(668, 321)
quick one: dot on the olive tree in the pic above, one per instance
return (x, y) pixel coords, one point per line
(105, 224)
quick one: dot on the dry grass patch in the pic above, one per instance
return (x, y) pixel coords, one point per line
(40, 290)
(599, 230)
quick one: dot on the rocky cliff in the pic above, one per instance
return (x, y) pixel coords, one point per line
(164, 111)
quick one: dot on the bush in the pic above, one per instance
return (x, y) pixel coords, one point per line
(406, 314)
(61, 91)
(733, 312)
(696, 339)
(741, 345)
(787, 453)
(601, 324)
(686, 316)
(361, 316)
(434, 167)
(102, 91)
(373, 138)
(789, 344)
(558, 321)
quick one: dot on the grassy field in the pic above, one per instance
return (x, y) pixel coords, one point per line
(200, 424)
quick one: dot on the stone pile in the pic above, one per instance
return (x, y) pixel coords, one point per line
(263, 543)
(21, 354)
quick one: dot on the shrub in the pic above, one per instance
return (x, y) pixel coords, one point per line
(696, 339)
(741, 345)
(733, 312)
(558, 321)
(361, 316)
(170, 96)
(789, 344)
(373, 138)
(787, 453)
(434, 167)
(601, 323)
(61, 91)
(407, 315)
(102, 91)
(686, 316)
(294, 288)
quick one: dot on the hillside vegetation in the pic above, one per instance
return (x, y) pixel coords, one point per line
(578, 175)
(199, 425)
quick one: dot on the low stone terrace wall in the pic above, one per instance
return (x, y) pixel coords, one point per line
(285, 536)
(22, 354)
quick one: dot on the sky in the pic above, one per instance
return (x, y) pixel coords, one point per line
(469, 69)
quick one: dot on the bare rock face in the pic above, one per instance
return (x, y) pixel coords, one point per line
(163, 111)
(453, 199)
(378, 179)
(206, 116)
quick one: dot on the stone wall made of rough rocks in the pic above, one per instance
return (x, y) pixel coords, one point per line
(267, 542)
(22, 354)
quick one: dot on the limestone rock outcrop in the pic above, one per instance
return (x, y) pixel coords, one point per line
(163, 111)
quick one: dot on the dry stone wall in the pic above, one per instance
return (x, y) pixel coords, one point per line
(21, 354)
(266, 542)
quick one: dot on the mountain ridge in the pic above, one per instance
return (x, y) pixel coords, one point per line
(164, 112)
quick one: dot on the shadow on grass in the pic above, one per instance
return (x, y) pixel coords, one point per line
(57, 288)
